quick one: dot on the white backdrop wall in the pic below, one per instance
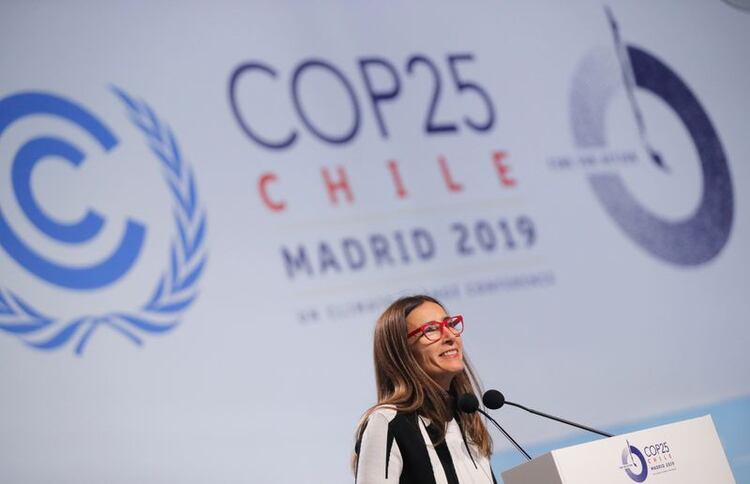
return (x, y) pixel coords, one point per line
(204, 208)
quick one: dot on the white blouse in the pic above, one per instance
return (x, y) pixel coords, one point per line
(398, 447)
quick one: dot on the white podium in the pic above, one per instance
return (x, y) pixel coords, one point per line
(687, 452)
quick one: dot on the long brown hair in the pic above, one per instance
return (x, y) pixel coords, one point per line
(402, 384)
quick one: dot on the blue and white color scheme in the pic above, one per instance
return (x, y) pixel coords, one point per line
(203, 208)
(175, 290)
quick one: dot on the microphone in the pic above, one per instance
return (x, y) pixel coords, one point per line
(494, 399)
(469, 403)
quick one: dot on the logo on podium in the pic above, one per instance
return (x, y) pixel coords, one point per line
(634, 463)
(654, 459)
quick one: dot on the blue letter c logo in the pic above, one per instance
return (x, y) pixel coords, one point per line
(30, 155)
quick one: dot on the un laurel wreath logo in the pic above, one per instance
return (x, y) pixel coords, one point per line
(177, 287)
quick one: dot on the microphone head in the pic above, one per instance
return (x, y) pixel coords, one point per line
(493, 399)
(468, 403)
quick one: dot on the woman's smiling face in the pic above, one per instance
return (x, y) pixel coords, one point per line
(443, 358)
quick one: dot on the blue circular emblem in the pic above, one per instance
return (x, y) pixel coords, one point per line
(688, 242)
(175, 290)
(629, 456)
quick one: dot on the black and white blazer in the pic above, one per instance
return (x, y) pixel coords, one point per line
(398, 447)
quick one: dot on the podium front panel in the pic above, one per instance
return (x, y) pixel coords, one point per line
(687, 452)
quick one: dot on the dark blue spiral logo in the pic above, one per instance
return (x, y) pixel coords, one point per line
(176, 289)
(629, 456)
(688, 242)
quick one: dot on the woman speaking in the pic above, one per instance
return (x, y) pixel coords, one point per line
(415, 434)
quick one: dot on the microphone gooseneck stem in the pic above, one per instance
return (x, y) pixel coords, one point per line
(507, 436)
(561, 420)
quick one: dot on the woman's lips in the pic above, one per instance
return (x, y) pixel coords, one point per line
(453, 353)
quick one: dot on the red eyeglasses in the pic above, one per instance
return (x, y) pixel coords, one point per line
(433, 330)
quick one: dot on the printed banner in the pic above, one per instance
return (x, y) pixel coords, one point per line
(203, 210)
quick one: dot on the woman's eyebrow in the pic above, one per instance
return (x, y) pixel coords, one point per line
(434, 320)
